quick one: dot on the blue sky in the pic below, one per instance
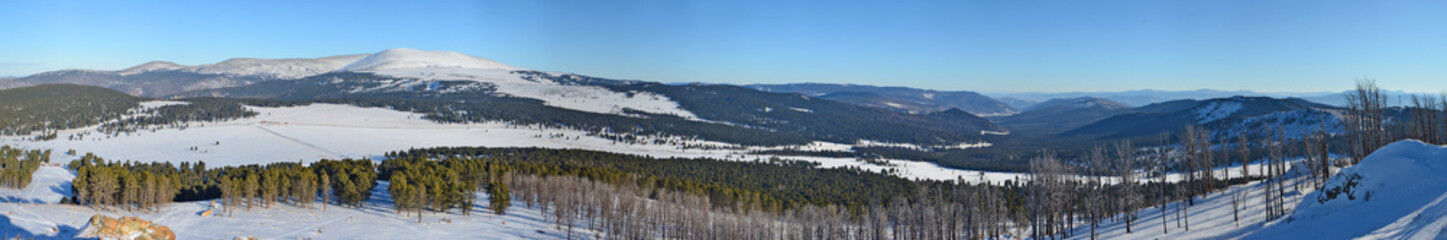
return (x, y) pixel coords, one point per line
(992, 46)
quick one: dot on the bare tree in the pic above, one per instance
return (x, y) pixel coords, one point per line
(1129, 184)
(1366, 123)
(1244, 149)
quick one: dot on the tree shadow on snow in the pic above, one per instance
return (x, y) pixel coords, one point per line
(8, 230)
(13, 199)
(63, 189)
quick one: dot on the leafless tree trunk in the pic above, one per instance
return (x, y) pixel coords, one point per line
(1366, 123)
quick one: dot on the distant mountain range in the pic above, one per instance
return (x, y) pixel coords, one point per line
(1145, 97)
(454, 87)
(909, 100)
(1057, 115)
(1219, 114)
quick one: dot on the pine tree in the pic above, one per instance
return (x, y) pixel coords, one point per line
(81, 185)
(499, 197)
(249, 189)
(131, 189)
(326, 189)
(400, 192)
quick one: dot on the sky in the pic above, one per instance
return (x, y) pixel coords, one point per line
(988, 46)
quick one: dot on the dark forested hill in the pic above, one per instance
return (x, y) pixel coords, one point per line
(147, 84)
(909, 100)
(1058, 115)
(1174, 115)
(59, 106)
(821, 119)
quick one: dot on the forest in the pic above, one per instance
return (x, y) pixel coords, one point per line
(193, 110)
(47, 108)
(17, 166)
(145, 186)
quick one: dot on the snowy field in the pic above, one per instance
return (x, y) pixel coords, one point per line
(330, 131)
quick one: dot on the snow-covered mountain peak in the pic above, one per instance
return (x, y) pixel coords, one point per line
(403, 58)
(288, 68)
(151, 66)
(278, 68)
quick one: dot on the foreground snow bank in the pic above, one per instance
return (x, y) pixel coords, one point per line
(1397, 192)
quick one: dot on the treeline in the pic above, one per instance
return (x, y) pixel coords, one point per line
(417, 184)
(135, 185)
(620, 128)
(343, 182)
(180, 115)
(17, 166)
(62, 106)
(772, 184)
(631, 211)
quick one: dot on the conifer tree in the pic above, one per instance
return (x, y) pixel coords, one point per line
(326, 189)
(400, 191)
(498, 196)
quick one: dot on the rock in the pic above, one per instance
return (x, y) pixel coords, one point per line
(129, 228)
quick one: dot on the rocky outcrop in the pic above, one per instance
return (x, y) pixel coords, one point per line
(104, 227)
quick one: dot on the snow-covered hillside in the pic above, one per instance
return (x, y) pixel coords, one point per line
(1394, 193)
(403, 58)
(1397, 192)
(1213, 111)
(439, 65)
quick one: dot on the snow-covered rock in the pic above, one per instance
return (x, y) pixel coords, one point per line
(104, 227)
(1397, 192)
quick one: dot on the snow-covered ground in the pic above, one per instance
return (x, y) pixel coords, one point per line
(1216, 110)
(1397, 192)
(48, 185)
(331, 131)
(1404, 180)
(375, 220)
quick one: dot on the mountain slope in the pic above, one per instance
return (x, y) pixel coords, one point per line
(403, 58)
(1173, 115)
(909, 100)
(821, 119)
(50, 107)
(1057, 115)
(164, 79)
(1148, 96)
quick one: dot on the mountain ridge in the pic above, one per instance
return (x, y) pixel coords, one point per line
(903, 99)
